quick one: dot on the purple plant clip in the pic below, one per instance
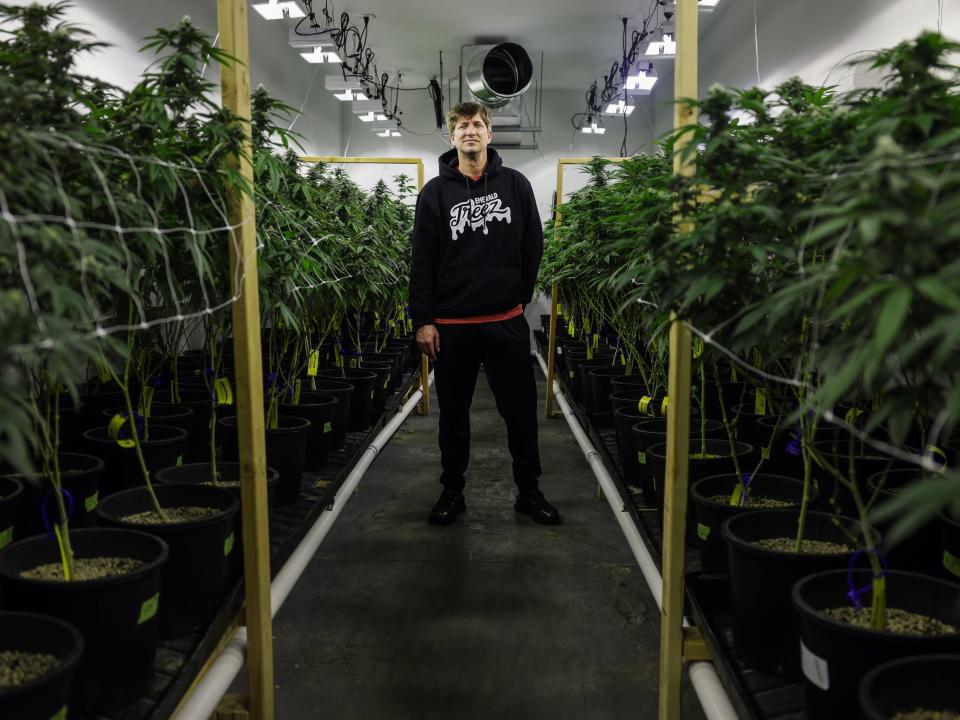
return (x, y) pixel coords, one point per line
(745, 487)
(158, 380)
(271, 379)
(854, 593)
(793, 446)
(138, 419)
(43, 508)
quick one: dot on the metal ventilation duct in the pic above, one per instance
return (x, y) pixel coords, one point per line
(496, 74)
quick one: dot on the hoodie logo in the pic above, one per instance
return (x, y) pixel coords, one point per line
(477, 212)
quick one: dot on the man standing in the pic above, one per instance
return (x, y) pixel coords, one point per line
(477, 244)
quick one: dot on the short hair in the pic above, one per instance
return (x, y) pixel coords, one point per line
(465, 111)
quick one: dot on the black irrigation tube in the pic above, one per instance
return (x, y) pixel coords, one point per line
(179, 660)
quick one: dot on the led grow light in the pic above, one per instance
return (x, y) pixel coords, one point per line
(619, 108)
(641, 82)
(349, 95)
(319, 55)
(593, 129)
(388, 133)
(278, 9)
(372, 116)
(665, 47)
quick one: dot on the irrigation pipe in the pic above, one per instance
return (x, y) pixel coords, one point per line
(706, 683)
(206, 695)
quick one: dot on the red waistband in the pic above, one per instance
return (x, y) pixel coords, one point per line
(477, 319)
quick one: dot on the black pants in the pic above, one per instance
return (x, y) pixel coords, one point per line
(504, 349)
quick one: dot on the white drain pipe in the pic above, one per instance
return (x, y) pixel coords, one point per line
(207, 693)
(706, 683)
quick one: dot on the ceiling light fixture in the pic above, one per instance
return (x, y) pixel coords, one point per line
(317, 38)
(619, 108)
(666, 46)
(593, 128)
(707, 5)
(387, 132)
(319, 55)
(372, 117)
(642, 81)
(278, 9)
(349, 95)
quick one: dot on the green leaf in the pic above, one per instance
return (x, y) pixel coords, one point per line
(891, 318)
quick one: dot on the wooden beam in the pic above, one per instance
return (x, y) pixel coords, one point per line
(235, 79)
(678, 412)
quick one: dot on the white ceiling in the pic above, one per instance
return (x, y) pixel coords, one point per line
(579, 39)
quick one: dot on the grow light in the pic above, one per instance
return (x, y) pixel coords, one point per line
(278, 10)
(642, 82)
(348, 95)
(619, 107)
(319, 55)
(666, 47)
(707, 4)
(388, 133)
(372, 116)
(593, 129)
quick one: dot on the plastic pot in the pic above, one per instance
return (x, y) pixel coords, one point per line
(47, 696)
(116, 616)
(921, 550)
(901, 686)
(80, 476)
(286, 447)
(342, 391)
(837, 655)
(599, 409)
(320, 410)
(361, 401)
(196, 576)
(11, 494)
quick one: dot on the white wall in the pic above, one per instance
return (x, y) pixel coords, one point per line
(273, 63)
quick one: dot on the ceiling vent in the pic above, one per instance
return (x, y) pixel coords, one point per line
(497, 74)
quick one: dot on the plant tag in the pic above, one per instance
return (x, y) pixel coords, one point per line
(6, 537)
(760, 402)
(559, 308)
(697, 347)
(587, 325)
(327, 427)
(314, 364)
(386, 382)
(736, 495)
(371, 394)
(224, 391)
(644, 404)
(228, 544)
(703, 531)
(113, 431)
(560, 350)
(852, 414)
(950, 562)
(148, 609)
(146, 401)
(571, 329)
(623, 361)
(765, 453)
(596, 341)
(61, 714)
(179, 460)
(590, 352)
(296, 392)
(90, 503)
(571, 373)
(815, 668)
(757, 358)
(733, 373)
(642, 457)
(664, 405)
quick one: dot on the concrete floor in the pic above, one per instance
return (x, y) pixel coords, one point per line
(493, 617)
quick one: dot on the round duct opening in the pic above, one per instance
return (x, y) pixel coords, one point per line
(499, 73)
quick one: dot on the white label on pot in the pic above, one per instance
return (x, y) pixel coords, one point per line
(559, 351)
(814, 668)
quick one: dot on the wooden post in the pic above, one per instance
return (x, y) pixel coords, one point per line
(678, 411)
(235, 78)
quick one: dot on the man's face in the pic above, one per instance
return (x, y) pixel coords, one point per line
(471, 136)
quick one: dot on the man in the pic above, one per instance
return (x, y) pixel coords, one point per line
(477, 244)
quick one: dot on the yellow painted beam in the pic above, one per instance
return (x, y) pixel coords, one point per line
(235, 79)
(678, 412)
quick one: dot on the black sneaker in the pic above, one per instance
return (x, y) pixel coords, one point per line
(446, 508)
(535, 505)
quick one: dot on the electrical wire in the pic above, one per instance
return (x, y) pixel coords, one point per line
(756, 42)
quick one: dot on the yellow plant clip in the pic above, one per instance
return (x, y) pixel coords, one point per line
(559, 308)
(596, 341)
(697, 347)
(664, 405)
(644, 404)
(852, 415)
(571, 329)
(224, 391)
(104, 370)
(146, 401)
(314, 364)
(735, 495)
(113, 431)
(296, 392)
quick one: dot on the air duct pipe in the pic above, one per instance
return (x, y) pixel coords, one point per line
(496, 74)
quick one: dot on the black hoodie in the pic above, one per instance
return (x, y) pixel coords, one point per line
(477, 244)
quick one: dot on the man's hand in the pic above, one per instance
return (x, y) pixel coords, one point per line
(428, 339)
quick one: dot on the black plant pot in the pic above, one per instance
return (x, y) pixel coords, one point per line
(320, 410)
(717, 460)
(764, 628)
(229, 472)
(381, 385)
(624, 418)
(48, 696)
(183, 417)
(627, 382)
(600, 409)
(195, 579)
(865, 464)
(583, 379)
(197, 399)
(286, 452)
(116, 616)
(121, 468)
(837, 655)
(361, 401)
(928, 682)
(342, 391)
(711, 514)
(11, 494)
(920, 552)
(80, 476)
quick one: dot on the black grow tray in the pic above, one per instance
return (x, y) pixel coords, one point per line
(755, 695)
(179, 660)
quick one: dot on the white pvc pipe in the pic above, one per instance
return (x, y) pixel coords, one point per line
(207, 693)
(706, 683)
